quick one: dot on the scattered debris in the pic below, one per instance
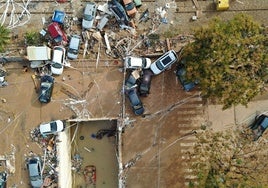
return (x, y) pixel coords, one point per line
(77, 163)
(90, 175)
(79, 107)
(144, 16)
(102, 132)
(69, 94)
(89, 150)
(132, 162)
(36, 85)
(50, 155)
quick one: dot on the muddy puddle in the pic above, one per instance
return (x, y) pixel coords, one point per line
(94, 145)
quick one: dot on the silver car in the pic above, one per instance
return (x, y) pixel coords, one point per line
(74, 45)
(164, 62)
(89, 15)
(35, 167)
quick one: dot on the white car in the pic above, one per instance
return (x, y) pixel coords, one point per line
(164, 62)
(52, 127)
(137, 62)
(58, 60)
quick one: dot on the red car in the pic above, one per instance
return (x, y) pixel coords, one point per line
(56, 32)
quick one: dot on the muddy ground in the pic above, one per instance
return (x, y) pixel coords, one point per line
(155, 144)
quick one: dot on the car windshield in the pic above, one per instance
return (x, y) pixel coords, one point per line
(45, 85)
(159, 65)
(34, 178)
(73, 51)
(129, 6)
(129, 61)
(137, 107)
(88, 17)
(144, 87)
(53, 126)
(56, 65)
(58, 39)
(144, 62)
(264, 123)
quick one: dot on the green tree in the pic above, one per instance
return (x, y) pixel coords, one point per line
(4, 38)
(229, 159)
(229, 58)
(32, 38)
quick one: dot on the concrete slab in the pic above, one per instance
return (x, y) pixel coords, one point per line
(220, 119)
(245, 115)
(239, 115)
(64, 158)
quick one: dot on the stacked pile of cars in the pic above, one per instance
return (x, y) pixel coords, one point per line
(123, 11)
(44, 133)
(138, 82)
(67, 47)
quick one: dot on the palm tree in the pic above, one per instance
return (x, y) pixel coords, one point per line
(4, 37)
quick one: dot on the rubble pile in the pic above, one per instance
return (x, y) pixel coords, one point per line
(50, 160)
(77, 161)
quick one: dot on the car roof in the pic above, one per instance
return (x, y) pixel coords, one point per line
(49, 127)
(90, 7)
(58, 16)
(133, 61)
(147, 75)
(55, 30)
(74, 43)
(47, 78)
(168, 56)
(133, 97)
(58, 54)
(33, 166)
(264, 122)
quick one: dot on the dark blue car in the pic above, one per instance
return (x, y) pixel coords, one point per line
(119, 12)
(130, 82)
(46, 88)
(181, 74)
(259, 125)
(135, 101)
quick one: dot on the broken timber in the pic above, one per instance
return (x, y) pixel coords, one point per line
(68, 93)
(198, 8)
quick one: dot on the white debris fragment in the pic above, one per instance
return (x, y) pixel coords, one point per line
(104, 8)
